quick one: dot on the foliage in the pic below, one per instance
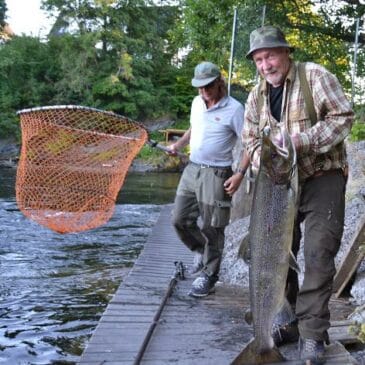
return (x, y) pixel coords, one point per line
(206, 28)
(9, 126)
(148, 153)
(3, 10)
(358, 131)
(358, 329)
(360, 113)
(181, 124)
(137, 59)
(358, 128)
(342, 15)
(154, 155)
(76, 74)
(128, 48)
(305, 27)
(305, 30)
(26, 79)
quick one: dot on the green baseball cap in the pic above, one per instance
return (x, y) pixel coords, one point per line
(267, 37)
(204, 74)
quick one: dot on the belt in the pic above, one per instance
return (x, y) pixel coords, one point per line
(204, 166)
(325, 173)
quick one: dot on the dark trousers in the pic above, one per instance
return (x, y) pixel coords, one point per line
(201, 194)
(321, 213)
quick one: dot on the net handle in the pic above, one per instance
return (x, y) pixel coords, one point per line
(150, 142)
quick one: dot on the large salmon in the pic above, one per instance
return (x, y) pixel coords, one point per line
(270, 237)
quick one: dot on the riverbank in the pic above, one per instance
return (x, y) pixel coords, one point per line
(162, 163)
(9, 153)
(158, 162)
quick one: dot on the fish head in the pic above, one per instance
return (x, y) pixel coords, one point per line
(278, 156)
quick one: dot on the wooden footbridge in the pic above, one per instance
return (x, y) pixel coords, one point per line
(151, 320)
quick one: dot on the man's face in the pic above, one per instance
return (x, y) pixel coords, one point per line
(273, 64)
(210, 92)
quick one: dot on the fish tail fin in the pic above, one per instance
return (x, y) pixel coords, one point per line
(251, 356)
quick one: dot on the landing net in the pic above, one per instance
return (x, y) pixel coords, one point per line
(72, 165)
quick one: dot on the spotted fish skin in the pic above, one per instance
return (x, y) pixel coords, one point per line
(270, 238)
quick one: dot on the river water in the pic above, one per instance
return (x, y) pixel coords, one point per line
(55, 287)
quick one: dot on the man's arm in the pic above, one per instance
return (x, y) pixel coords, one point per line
(182, 142)
(232, 184)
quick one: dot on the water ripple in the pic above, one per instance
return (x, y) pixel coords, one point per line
(55, 287)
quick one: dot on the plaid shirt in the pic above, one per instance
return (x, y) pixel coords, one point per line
(322, 145)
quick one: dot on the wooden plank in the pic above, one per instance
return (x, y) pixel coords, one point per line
(337, 353)
(190, 331)
(343, 335)
(171, 133)
(351, 260)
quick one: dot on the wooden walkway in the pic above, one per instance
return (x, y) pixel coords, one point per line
(190, 331)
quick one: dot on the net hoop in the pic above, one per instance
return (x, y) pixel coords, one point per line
(74, 107)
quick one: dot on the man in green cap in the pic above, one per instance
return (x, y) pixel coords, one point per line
(321, 158)
(207, 183)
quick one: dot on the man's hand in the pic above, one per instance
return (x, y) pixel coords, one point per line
(232, 184)
(172, 150)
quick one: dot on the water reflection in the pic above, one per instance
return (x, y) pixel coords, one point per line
(54, 287)
(149, 188)
(138, 188)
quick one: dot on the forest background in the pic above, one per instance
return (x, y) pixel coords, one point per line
(136, 58)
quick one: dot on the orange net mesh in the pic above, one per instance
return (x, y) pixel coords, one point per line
(72, 165)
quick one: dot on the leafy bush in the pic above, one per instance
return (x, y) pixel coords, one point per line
(150, 154)
(357, 132)
(181, 124)
(358, 329)
(9, 126)
(147, 153)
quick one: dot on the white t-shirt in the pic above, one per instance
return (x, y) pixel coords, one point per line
(214, 131)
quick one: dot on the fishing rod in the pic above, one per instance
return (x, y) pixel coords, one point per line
(179, 273)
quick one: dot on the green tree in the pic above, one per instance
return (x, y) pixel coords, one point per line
(320, 35)
(205, 28)
(26, 79)
(137, 58)
(76, 61)
(3, 10)
(131, 71)
(5, 31)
